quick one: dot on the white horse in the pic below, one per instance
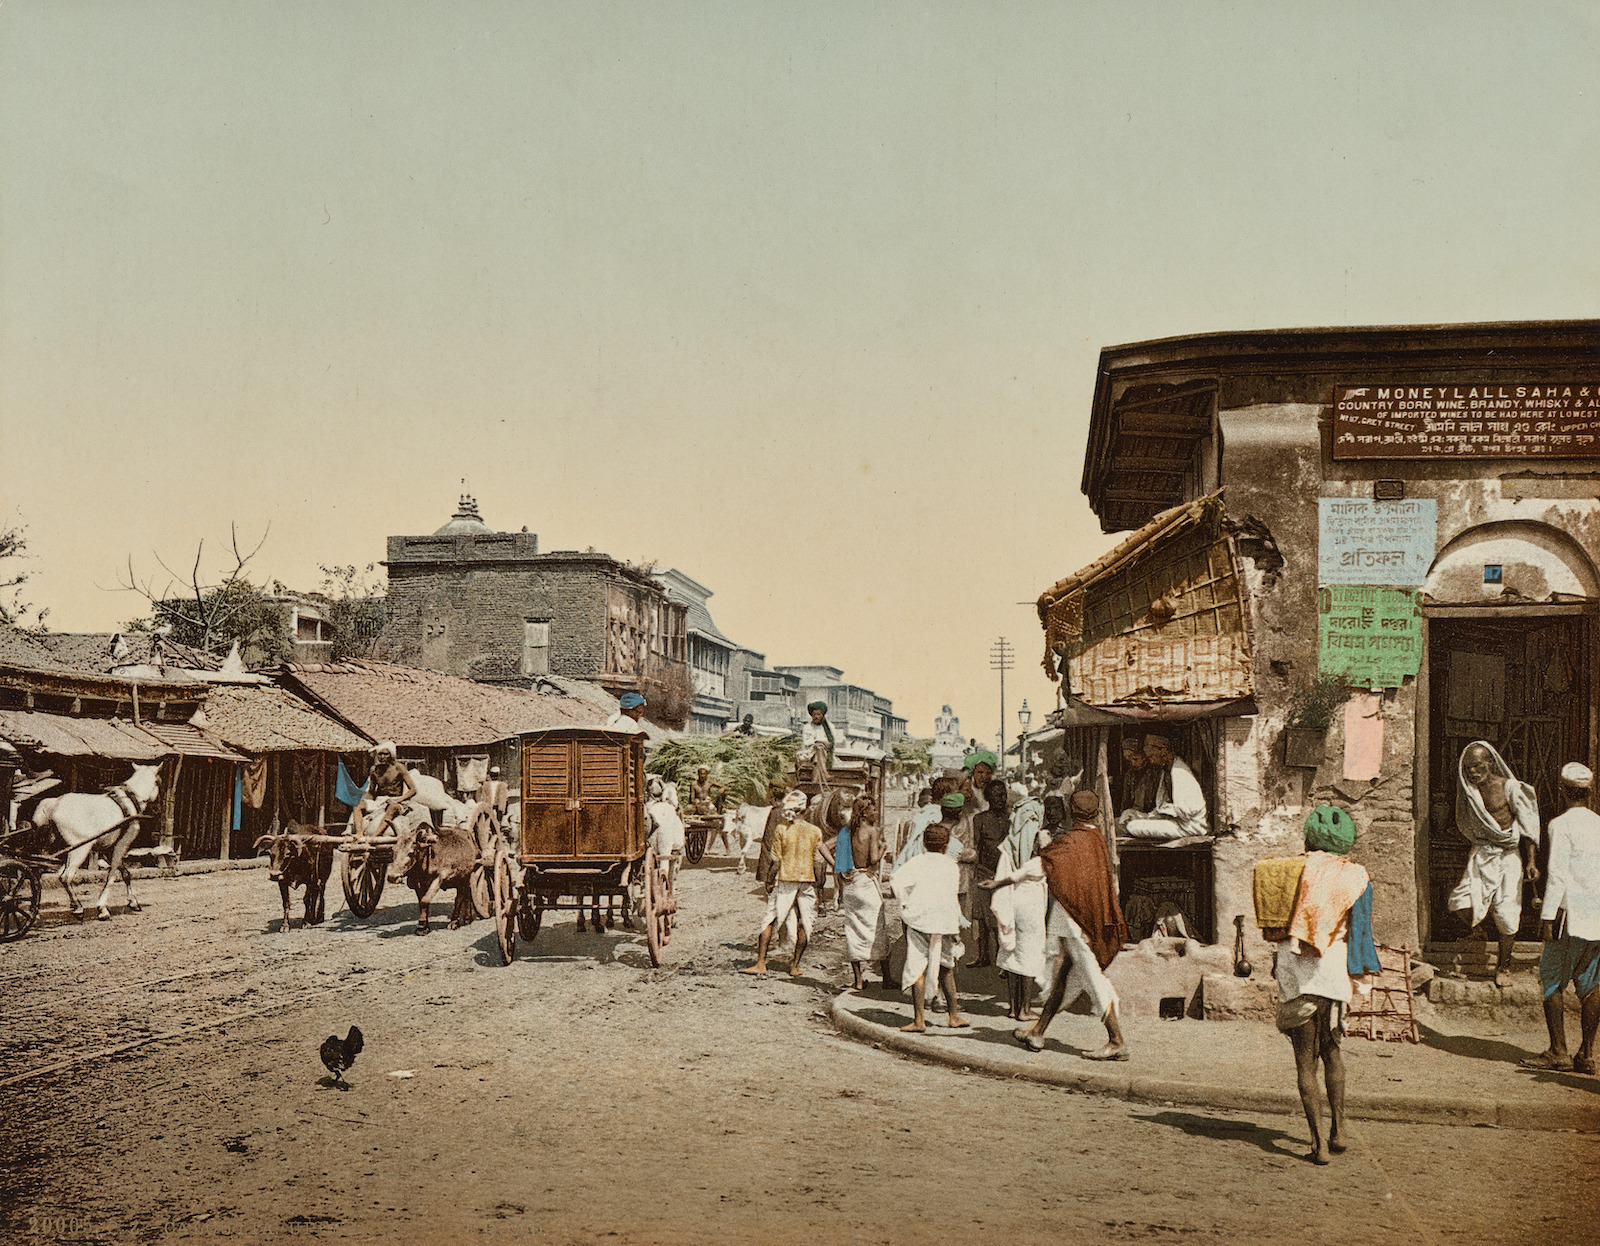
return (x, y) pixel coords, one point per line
(84, 820)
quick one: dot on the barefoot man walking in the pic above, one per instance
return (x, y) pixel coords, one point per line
(1085, 927)
(926, 888)
(794, 843)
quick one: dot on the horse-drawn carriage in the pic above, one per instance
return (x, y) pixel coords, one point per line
(585, 842)
(83, 822)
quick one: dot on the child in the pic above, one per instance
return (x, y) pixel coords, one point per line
(926, 888)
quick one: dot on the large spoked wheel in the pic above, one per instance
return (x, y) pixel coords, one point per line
(486, 833)
(505, 906)
(529, 917)
(19, 900)
(694, 845)
(362, 874)
(660, 908)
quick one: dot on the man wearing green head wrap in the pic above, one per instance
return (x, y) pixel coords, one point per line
(1329, 936)
(816, 742)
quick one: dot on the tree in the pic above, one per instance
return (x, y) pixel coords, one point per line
(15, 610)
(912, 755)
(213, 614)
(355, 608)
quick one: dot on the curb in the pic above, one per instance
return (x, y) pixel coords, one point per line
(1403, 1109)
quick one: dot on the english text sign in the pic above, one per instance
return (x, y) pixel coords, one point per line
(1538, 419)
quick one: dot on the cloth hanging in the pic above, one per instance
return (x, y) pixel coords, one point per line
(471, 772)
(1362, 956)
(1329, 887)
(305, 782)
(1274, 886)
(253, 781)
(238, 795)
(346, 791)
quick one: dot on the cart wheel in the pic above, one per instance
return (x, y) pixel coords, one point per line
(529, 917)
(505, 907)
(694, 845)
(363, 879)
(652, 899)
(19, 900)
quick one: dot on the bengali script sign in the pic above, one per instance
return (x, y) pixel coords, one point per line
(1537, 419)
(1360, 541)
(1368, 636)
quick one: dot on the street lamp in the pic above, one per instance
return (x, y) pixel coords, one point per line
(1024, 717)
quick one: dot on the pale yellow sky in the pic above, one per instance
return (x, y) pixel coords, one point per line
(805, 299)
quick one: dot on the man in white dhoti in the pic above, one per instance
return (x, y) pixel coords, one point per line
(1019, 897)
(926, 889)
(795, 890)
(857, 852)
(1499, 816)
(1180, 806)
(1085, 929)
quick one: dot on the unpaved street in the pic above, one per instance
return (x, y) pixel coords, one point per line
(580, 1096)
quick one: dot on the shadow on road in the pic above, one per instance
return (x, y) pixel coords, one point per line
(1272, 1141)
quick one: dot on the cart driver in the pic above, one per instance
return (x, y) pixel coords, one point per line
(389, 788)
(629, 711)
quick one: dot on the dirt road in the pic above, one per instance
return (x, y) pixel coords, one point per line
(579, 1095)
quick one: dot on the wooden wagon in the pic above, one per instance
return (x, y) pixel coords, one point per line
(584, 840)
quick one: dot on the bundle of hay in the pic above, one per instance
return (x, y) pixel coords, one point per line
(744, 765)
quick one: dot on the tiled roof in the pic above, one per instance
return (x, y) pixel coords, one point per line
(191, 741)
(19, 649)
(427, 709)
(104, 651)
(66, 736)
(263, 719)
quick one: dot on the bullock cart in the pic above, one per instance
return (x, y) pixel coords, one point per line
(584, 841)
(697, 832)
(364, 861)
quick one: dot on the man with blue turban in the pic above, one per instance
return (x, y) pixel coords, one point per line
(629, 711)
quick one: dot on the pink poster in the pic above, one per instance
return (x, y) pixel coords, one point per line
(1363, 736)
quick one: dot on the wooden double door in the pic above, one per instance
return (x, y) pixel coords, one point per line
(1522, 683)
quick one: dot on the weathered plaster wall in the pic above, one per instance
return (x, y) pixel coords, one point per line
(1275, 466)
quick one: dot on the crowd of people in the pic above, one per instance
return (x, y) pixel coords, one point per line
(1027, 880)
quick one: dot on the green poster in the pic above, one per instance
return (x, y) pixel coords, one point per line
(1367, 636)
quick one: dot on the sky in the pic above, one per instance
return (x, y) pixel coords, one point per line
(804, 299)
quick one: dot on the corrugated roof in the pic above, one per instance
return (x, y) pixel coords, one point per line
(265, 719)
(80, 737)
(191, 741)
(428, 709)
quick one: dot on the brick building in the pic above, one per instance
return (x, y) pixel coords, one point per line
(487, 605)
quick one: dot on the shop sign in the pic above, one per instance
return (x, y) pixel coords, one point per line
(1534, 419)
(1368, 636)
(1360, 541)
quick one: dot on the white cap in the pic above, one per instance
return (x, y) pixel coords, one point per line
(1576, 774)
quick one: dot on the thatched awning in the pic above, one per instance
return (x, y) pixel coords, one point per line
(1160, 620)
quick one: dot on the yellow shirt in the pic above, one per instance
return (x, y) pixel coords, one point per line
(794, 845)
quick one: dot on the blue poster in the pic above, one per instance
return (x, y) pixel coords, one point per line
(1360, 541)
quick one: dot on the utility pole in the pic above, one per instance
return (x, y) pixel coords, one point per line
(1002, 658)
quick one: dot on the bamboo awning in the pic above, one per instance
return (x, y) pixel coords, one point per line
(1161, 619)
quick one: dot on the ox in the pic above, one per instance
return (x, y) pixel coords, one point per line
(429, 858)
(86, 823)
(293, 860)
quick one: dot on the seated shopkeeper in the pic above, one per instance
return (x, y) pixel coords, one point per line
(1179, 811)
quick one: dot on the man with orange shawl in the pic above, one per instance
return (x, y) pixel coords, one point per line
(1328, 939)
(1085, 927)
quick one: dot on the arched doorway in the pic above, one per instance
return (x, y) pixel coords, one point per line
(1510, 614)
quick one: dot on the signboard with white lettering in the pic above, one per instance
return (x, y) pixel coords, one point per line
(1360, 541)
(1535, 419)
(1368, 637)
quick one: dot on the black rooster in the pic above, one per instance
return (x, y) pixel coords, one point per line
(338, 1054)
